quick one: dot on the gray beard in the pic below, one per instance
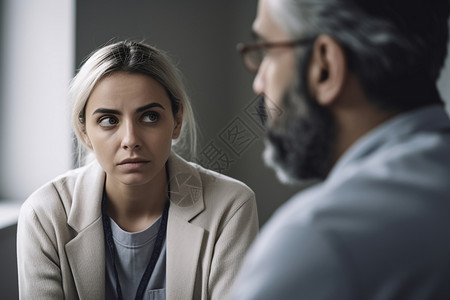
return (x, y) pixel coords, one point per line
(299, 144)
(270, 161)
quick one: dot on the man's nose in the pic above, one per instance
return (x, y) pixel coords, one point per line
(259, 81)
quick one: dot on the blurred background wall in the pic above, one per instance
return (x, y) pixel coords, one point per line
(36, 63)
(37, 59)
(42, 44)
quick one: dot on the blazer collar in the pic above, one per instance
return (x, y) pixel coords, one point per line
(86, 197)
(186, 190)
(86, 252)
(86, 256)
(184, 239)
(184, 244)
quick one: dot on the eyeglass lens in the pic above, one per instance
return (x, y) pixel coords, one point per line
(253, 59)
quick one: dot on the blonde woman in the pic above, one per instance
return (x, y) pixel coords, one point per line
(138, 222)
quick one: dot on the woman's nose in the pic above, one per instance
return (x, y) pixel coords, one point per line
(130, 139)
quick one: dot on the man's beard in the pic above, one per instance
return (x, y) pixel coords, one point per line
(299, 144)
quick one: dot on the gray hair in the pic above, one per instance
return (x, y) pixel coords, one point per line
(396, 51)
(132, 57)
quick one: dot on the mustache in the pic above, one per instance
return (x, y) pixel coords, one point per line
(263, 112)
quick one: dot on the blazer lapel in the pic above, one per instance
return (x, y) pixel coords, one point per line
(86, 256)
(183, 256)
(86, 252)
(184, 239)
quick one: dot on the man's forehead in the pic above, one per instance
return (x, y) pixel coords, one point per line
(264, 27)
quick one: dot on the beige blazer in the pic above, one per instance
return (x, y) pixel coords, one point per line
(60, 241)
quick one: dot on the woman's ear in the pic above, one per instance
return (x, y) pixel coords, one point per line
(178, 121)
(85, 137)
(327, 70)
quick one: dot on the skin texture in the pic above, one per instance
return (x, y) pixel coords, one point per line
(129, 116)
(277, 69)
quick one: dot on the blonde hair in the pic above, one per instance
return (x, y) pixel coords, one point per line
(132, 57)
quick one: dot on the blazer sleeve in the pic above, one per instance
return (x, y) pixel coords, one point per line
(231, 246)
(37, 258)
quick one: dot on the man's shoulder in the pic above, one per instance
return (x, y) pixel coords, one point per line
(394, 183)
(388, 197)
(292, 247)
(369, 219)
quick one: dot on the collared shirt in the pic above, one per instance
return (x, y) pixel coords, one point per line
(377, 228)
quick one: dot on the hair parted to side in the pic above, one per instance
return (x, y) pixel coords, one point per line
(396, 48)
(132, 57)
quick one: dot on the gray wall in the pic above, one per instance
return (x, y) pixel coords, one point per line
(8, 265)
(201, 36)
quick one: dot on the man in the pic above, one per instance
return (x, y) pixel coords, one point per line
(355, 82)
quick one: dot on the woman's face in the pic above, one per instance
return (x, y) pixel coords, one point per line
(130, 127)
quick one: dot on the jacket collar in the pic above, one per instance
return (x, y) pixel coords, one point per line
(431, 118)
(86, 252)
(86, 197)
(184, 239)
(186, 192)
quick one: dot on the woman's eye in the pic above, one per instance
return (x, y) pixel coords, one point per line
(107, 121)
(151, 117)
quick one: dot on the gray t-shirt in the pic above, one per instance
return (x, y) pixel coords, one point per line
(134, 250)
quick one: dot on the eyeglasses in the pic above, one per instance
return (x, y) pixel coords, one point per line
(254, 54)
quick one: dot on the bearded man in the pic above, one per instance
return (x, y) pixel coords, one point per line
(355, 82)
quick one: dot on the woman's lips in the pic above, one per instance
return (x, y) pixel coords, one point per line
(133, 163)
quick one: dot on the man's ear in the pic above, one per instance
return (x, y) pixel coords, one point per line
(327, 70)
(178, 122)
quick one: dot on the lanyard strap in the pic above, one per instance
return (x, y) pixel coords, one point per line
(153, 259)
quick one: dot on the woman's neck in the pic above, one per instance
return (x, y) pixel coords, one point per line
(135, 208)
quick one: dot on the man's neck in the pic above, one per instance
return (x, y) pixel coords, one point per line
(355, 116)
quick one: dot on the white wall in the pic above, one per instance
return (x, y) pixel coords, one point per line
(37, 62)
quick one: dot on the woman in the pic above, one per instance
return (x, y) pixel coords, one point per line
(138, 221)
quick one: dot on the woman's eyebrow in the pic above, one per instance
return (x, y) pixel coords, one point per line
(106, 111)
(116, 112)
(151, 105)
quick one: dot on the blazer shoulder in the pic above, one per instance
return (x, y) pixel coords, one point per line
(221, 182)
(195, 174)
(55, 194)
(226, 199)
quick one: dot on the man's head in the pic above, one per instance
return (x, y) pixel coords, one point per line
(387, 53)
